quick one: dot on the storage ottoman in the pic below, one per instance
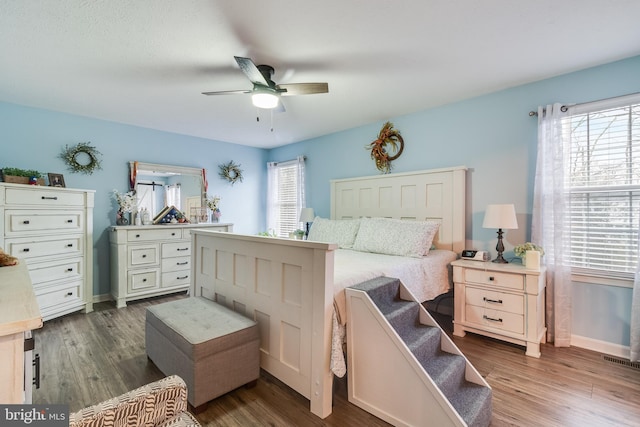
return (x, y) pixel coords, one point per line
(213, 348)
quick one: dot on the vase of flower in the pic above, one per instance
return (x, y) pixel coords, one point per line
(215, 215)
(121, 218)
(521, 251)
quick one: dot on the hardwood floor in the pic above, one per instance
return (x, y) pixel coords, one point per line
(89, 358)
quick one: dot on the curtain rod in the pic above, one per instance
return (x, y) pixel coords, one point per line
(564, 108)
(292, 160)
(532, 113)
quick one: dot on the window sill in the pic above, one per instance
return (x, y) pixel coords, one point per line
(602, 280)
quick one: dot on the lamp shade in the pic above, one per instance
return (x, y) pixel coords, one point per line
(306, 215)
(264, 100)
(500, 216)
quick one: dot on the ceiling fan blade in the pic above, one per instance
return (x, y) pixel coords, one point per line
(303, 88)
(251, 71)
(227, 92)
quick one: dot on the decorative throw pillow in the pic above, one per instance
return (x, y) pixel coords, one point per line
(395, 236)
(340, 231)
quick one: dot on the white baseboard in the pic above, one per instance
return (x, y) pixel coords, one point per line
(102, 298)
(601, 346)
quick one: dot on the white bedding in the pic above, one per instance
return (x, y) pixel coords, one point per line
(425, 277)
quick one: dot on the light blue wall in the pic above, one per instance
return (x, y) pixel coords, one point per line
(495, 138)
(492, 135)
(33, 139)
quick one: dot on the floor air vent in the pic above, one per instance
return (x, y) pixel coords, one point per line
(622, 362)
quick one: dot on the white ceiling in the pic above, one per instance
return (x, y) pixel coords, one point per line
(146, 62)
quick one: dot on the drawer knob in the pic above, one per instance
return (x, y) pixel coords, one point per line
(69, 221)
(182, 277)
(26, 222)
(49, 198)
(493, 319)
(495, 301)
(491, 278)
(25, 250)
(182, 263)
(137, 235)
(69, 294)
(144, 280)
(144, 255)
(69, 269)
(69, 245)
(173, 234)
(182, 249)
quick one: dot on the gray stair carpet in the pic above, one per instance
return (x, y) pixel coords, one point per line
(472, 401)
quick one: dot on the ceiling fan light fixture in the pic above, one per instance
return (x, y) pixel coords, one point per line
(265, 100)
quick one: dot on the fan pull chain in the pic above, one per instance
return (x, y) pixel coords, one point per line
(271, 120)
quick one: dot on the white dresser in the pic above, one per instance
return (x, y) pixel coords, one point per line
(152, 260)
(502, 301)
(51, 229)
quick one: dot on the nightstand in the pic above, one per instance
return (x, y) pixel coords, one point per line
(502, 301)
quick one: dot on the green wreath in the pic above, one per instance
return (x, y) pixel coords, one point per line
(70, 157)
(231, 172)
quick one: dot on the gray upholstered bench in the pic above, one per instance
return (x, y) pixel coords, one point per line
(213, 348)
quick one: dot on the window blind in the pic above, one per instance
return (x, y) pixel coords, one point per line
(604, 217)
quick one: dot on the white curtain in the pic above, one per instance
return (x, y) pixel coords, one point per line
(172, 196)
(551, 203)
(635, 315)
(273, 222)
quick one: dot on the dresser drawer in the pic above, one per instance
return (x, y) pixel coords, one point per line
(68, 269)
(177, 249)
(146, 255)
(176, 278)
(143, 280)
(492, 278)
(41, 197)
(52, 296)
(61, 247)
(30, 222)
(497, 319)
(495, 300)
(176, 264)
(159, 234)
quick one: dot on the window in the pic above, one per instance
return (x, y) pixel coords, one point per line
(285, 196)
(604, 145)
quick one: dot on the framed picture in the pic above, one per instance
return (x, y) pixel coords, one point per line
(56, 180)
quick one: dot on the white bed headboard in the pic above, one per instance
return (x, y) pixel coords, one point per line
(433, 195)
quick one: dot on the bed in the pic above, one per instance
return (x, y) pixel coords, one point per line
(289, 286)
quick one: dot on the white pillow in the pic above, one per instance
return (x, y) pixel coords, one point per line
(340, 231)
(395, 236)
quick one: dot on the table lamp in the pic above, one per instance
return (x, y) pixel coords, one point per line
(500, 217)
(306, 216)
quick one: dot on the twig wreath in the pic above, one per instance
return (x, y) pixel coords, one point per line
(379, 153)
(82, 158)
(231, 172)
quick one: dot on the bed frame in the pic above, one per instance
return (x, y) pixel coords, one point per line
(287, 285)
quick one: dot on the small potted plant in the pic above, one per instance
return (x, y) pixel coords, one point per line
(521, 250)
(21, 176)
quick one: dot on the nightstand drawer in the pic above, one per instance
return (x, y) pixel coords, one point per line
(495, 300)
(497, 319)
(493, 278)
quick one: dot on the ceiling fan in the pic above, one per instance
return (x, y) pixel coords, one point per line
(266, 93)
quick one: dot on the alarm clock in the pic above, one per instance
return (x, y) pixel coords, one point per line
(475, 255)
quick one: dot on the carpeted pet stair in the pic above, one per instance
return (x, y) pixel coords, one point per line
(402, 367)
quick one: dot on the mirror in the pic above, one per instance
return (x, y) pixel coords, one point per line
(158, 186)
